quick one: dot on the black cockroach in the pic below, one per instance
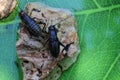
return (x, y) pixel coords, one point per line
(54, 43)
(33, 28)
(30, 24)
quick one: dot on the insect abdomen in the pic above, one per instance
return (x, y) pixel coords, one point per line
(54, 48)
(30, 24)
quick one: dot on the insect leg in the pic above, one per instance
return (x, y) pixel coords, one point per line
(57, 29)
(36, 18)
(43, 15)
(36, 10)
(67, 47)
(61, 44)
(25, 29)
(38, 39)
(40, 22)
(46, 42)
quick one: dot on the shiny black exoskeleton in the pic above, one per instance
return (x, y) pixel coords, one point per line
(54, 43)
(32, 27)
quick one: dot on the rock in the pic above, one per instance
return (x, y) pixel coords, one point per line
(37, 61)
(6, 7)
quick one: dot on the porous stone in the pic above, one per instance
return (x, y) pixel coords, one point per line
(37, 61)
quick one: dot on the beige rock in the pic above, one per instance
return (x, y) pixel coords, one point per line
(37, 61)
(6, 7)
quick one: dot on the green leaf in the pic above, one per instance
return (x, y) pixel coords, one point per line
(98, 31)
(9, 18)
(99, 34)
(9, 64)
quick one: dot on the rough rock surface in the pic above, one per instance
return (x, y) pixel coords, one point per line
(6, 7)
(37, 61)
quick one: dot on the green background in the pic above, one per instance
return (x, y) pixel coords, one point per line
(99, 36)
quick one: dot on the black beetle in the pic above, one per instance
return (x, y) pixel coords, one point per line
(32, 27)
(54, 43)
(30, 24)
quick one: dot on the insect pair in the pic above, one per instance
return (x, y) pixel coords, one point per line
(35, 30)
